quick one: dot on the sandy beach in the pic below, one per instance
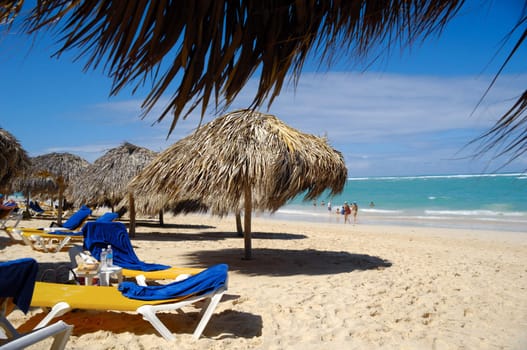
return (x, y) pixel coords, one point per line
(321, 286)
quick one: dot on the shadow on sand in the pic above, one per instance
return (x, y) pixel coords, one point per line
(227, 324)
(287, 262)
(6, 241)
(175, 226)
(210, 236)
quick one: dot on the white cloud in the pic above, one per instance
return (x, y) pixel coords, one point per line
(383, 123)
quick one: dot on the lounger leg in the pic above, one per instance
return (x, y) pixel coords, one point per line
(10, 234)
(57, 310)
(62, 338)
(62, 243)
(8, 327)
(18, 217)
(207, 315)
(35, 242)
(149, 314)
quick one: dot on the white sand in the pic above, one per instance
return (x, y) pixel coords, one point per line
(324, 286)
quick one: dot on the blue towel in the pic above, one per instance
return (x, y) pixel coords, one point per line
(66, 233)
(107, 217)
(77, 218)
(36, 207)
(17, 281)
(201, 283)
(98, 235)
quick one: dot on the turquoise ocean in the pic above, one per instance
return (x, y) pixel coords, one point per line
(495, 202)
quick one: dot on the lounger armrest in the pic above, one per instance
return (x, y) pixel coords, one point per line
(57, 310)
(60, 331)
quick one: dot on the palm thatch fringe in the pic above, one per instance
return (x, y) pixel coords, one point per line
(214, 47)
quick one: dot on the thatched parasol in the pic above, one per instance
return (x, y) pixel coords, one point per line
(13, 159)
(242, 161)
(33, 186)
(105, 181)
(63, 168)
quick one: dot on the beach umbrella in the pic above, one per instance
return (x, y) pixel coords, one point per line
(105, 181)
(13, 159)
(240, 162)
(63, 168)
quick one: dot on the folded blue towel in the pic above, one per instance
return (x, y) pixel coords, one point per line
(17, 281)
(107, 217)
(77, 218)
(201, 283)
(97, 235)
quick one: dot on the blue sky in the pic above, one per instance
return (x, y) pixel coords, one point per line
(411, 112)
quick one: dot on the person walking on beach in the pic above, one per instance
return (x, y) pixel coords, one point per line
(354, 211)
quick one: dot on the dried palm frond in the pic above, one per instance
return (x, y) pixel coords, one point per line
(214, 47)
(208, 50)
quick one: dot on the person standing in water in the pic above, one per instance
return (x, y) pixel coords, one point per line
(354, 211)
(346, 211)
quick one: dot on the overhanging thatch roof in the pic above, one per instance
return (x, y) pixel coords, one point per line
(13, 158)
(238, 151)
(216, 46)
(105, 181)
(210, 49)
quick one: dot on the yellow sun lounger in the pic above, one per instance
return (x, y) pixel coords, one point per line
(45, 241)
(62, 298)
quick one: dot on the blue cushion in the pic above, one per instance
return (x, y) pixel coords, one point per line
(201, 283)
(77, 218)
(107, 217)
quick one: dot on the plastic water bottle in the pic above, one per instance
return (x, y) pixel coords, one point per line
(104, 259)
(109, 256)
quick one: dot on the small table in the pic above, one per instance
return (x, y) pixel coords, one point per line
(88, 275)
(104, 275)
(109, 271)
